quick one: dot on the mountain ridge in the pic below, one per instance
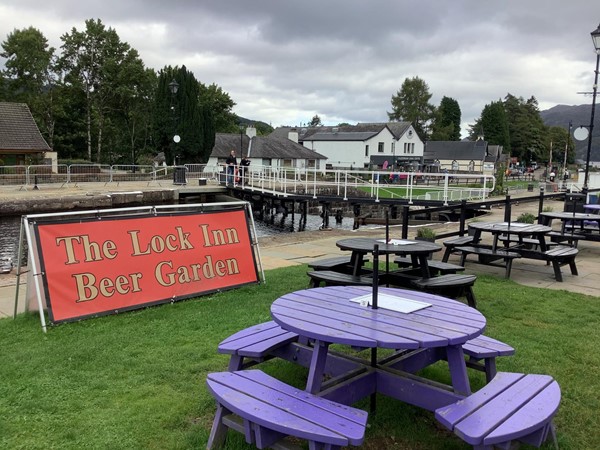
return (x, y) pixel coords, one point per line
(578, 115)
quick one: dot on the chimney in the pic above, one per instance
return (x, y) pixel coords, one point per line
(293, 135)
(250, 131)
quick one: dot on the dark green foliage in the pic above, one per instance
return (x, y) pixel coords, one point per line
(526, 128)
(526, 218)
(98, 102)
(315, 121)
(558, 139)
(446, 126)
(218, 103)
(411, 104)
(493, 125)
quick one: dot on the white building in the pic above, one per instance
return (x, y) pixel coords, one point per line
(369, 145)
(274, 151)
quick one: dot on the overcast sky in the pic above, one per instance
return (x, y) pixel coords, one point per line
(282, 62)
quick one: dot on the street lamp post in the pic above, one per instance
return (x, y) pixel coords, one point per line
(173, 88)
(178, 172)
(596, 39)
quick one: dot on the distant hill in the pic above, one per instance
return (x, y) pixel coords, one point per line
(262, 128)
(561, 115)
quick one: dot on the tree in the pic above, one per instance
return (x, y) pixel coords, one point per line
(527, 130)
(558, 140)
(30, 76)
(315, 121)
(446, 125)
(493, 125)
(96, 62)
(182, 114)
(411, 104)
(218, 102)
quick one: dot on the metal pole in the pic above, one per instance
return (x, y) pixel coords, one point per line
(567, 148)
(591, 127)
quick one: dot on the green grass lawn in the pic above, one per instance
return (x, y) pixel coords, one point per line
(137, 380)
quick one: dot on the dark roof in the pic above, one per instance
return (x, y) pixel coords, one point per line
(18, 130)
(341, 136)
(459, 150)
(272, 147)
(358, 132)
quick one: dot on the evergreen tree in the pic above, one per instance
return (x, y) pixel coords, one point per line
(181, 114)
(527, 130)
(494, 124)
(411, 104)
(446, 126)
(315, 121)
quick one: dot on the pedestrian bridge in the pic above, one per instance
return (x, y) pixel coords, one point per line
(281, 181)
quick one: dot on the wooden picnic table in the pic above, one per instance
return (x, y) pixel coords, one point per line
(438, 331)
(419, 251)
(585, 224)
(522, 231)
(530, 243)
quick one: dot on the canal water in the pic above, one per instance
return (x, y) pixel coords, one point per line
(10, 230)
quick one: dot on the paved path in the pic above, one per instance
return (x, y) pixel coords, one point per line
(300, 248)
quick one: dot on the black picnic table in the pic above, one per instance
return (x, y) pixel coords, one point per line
(521, 230)
(419, 251)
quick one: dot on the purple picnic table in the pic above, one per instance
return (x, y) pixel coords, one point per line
(329, 316)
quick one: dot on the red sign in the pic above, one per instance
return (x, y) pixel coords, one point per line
(114, 264)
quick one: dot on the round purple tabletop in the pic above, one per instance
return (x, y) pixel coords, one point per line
(328, 314)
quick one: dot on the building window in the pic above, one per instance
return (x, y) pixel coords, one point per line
(311, 163)
(412, 147)
(380, 147)
(367, 150)
(287, 163)
(405, 147)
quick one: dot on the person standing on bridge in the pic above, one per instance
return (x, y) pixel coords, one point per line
(244, 164)
(231, 164)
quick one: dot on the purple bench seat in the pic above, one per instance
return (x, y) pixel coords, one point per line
(486, 349)
(512, 407)
(255, 343)
(271, 410)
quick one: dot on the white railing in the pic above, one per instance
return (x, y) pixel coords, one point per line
(286, 180)
(442, 187)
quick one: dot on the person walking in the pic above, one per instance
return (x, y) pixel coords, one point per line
(231, 164)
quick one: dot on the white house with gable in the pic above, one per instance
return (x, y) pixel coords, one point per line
(369, 145)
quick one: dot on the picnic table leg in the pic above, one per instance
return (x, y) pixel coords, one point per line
(317, 366)
(356, 260)
(218, 432)
(458, 369)
(425, 273)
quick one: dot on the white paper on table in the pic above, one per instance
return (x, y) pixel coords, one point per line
(396, 242)
(513, 224)
(385, 301)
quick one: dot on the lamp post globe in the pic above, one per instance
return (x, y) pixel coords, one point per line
(173, 87)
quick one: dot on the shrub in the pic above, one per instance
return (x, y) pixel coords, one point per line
(526, 218)
(426, 233)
